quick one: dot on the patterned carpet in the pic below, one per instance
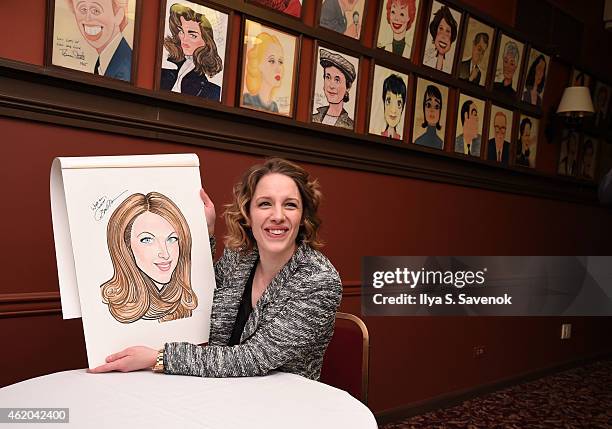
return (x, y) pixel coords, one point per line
(576, 398)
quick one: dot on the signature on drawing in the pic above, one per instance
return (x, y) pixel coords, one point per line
(73, 53)
(102, 204)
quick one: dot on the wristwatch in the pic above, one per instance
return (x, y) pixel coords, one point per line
(159, 362)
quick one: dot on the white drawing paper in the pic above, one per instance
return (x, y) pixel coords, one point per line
(132, 248)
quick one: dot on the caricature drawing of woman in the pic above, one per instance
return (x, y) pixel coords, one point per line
(338, 77)
(264, 73)
(432, 109)
(394, 101)
(511, 59)
(523, 147)
(150, 248)
(400, 17)
(536, 79)
(194, 51)
(443, 30)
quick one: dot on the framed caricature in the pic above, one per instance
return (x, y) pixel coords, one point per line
(441, 37)
(288, 7)
(193, 50)
(396, 25)
(569, 153)
(527, 142)
(94, 37)
(132, 250)
(508, 66)
(601, 103)
(430, 114)
(342, 16)
(388, 103)
(335, 88)
(470, 115)
(537, 71)
(580, 78)
(588, 158)
(500, 135)
(477, 45)
(269, 62)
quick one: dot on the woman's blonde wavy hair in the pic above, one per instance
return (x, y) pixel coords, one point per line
(239, 235)
(130, 294)
(254, 59)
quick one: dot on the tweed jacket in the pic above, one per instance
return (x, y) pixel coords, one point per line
(343, 120)
(288, 330)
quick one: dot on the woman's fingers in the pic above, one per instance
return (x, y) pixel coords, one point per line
(118, 355)
(107, 367)
(209, 212)
(205, 198)
(130, 359)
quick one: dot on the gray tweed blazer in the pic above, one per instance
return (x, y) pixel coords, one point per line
(343, 121)
(288, 330)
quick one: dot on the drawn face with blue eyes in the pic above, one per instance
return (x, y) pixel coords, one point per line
(155, 245)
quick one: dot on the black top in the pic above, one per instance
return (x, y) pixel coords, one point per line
(244, 310)
(193, 83)
(399, 46)
(504, 89)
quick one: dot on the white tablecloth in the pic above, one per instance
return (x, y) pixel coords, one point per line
(149, 400)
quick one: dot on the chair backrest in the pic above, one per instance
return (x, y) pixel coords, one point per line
(346, 361)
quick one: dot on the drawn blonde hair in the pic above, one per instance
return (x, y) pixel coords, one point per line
(130, 293)
(254, 59)
(239, 235)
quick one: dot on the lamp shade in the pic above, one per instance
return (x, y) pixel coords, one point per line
(576, 101)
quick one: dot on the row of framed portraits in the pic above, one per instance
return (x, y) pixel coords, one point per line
(578, 155)
(601, 94)
(98, 38)
(483, 129)
(102, 39)
(514, 70)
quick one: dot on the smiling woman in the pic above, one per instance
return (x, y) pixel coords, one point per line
(396, 29)
(155, 246)
(150, 247)
(443, 28)
(335, 77)
(276, 296)
(388, 103)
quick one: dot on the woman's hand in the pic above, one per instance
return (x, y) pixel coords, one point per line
(209, 212)
(130, 359)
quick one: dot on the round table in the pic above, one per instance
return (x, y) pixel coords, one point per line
(150, 400)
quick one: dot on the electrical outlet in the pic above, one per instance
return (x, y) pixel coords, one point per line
(479, 352)
(566, 331)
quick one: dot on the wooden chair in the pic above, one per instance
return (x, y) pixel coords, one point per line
(346, 361)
